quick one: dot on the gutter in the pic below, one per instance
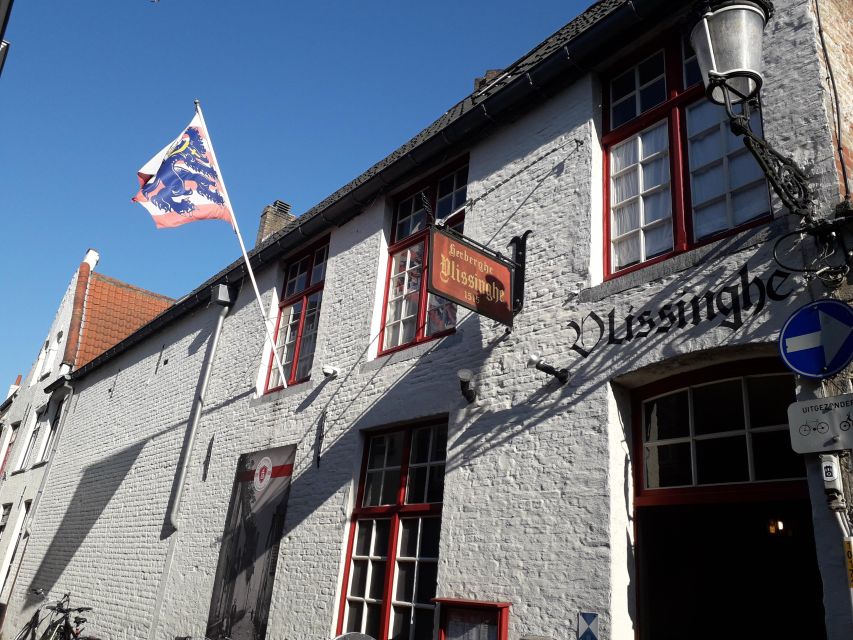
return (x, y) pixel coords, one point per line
(465, 121)
(221, 296)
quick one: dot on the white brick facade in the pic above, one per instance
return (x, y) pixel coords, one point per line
(537, 505)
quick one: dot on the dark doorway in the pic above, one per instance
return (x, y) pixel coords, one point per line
(744, 570)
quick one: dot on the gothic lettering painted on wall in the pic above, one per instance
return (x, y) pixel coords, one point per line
(729, 305)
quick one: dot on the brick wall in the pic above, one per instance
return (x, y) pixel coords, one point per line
(838, 35)
(536, 509)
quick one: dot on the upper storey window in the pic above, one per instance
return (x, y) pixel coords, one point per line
(411, 314)
(299, 313)
(676, 176)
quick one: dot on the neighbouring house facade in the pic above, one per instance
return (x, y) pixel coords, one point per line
(199, 491)
(95, 313)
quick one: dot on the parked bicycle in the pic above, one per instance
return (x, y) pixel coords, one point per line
(61, 627)
(32, 628)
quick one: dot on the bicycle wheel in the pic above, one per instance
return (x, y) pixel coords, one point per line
(53, 631)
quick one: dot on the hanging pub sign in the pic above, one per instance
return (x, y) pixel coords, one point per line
(470, 276)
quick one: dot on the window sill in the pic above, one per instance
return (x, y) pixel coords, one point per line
(682, 261)
(41, 463)
(282, 392)
(415, 351)
(18, 472)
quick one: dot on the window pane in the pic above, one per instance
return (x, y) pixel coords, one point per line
(774, 457)
(626, 251)
(376, 457)
(705, 148)
(380, 538)
(667, 417)
(654, 140)
(441, 314)
(623, 155)
(423, 624)
(625, 186)
(358, 583)
(750, 203)
(372, 620)
(769, 397)
(651, 68)
(655, 173)
(401, 623)
(408, 538)
(390, 486)
(372, 488)
(709, 219)
(405, 581)
(377, 579)
(708, 183)
(430, 531)
(439, 444)
(657, 205)
(658, 240)
(668, 465)
(318, 272)
(435, 485)
(703, 115)
(722, 460)
(623, 111)
(395, 450)
(420, 446)
(622, 86)
(416, 490)
(626, 218)
(427, 576)
(692, 74)
(743, 169)
(362, 538)
(652, 95)
(354, 616)
(718, 407)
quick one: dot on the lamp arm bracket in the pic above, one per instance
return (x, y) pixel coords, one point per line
(787, 179)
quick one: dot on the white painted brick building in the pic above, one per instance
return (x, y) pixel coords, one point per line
(621, 493)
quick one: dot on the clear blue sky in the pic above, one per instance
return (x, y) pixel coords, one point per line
(299, 98)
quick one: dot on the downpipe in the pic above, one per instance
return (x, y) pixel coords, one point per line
(221, 296)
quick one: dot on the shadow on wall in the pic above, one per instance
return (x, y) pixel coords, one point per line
(96, 488)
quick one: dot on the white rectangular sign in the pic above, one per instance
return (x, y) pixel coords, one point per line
(823, 424)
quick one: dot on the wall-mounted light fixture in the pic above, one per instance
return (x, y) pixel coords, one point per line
(534, 361)
(727, 38)
(330, 372)
(466, 384)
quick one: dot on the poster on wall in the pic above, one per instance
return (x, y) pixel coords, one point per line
(242, 589)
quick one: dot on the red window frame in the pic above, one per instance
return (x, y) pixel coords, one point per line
(673, 111)
(394, 512)
(498, 610)
(303, 295)
(743, 492)
(740, 491)
(430, 187)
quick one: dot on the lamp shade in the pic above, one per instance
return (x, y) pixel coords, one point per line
(727, 41)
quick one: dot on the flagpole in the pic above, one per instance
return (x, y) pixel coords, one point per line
(264, 315)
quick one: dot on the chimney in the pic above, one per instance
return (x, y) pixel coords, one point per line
(486, 79)
(274, 218)
(13, 388)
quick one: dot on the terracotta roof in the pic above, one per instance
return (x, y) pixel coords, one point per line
(113, 311)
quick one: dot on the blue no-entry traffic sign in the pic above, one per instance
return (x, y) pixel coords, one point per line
(817, 340)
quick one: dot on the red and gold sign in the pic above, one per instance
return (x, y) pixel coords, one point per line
(470, 277)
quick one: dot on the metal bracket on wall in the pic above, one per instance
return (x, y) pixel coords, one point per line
(519, 257)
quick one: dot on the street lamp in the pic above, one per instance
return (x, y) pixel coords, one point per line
(727, 39)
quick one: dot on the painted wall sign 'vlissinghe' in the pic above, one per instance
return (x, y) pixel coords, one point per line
(729, 302)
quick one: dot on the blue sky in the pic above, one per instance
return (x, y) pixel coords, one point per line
(299, 98)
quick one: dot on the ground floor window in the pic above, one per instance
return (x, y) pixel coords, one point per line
(724, 535)
(392, 565)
